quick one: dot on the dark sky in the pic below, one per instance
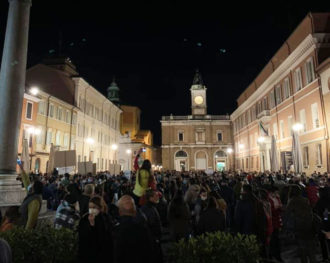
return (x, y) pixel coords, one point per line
(152, 47)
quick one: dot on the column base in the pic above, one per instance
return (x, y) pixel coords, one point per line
(11, 192)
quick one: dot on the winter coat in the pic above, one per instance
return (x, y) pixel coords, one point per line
(179, 219)
(132, 242)
(312, 194)
(299, 212)
(211, 220)
(95, 242)
(149, 210)
(276, 207)
(245, 216)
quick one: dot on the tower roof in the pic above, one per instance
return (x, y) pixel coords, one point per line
(198, 78)
(113, 85)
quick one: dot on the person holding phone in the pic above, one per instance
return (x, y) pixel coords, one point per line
(31, 205)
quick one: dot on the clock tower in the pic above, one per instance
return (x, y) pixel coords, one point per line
(198, 95)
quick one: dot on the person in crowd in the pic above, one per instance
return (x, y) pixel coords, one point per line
(322, 209)
(132, 239)
(263, 197)
(212, 219)
(150, 212)
(11, 219)
(300, 212)
(312, 192)
(5, 252)
(179, 217)
(143, 179)
(276, 212)
(201, 204)
(95, 234)
(66, 214)
(250, 218)
(84, 199)
(31, 205)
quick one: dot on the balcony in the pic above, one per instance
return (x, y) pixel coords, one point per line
(264, 116)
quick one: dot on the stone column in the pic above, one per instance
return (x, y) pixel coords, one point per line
(12, 85)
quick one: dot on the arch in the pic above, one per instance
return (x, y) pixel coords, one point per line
(201, 160)
(220, 154)
(181, 154)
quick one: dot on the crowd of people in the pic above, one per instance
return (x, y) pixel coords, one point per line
(114, 214)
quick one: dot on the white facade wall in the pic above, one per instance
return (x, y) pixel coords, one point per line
(98, 126)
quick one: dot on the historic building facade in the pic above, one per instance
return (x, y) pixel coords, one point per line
(198, 141)
(72, 115)
(286, 96)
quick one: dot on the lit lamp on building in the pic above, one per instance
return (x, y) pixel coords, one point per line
(114, 147)
(241, 146)
(297, 127)
(229, 150)
(261, 139)
(34, 91)
(128, 152)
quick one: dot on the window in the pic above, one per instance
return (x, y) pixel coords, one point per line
(66, 140)
(249, 115)
(74, 118)
(302, 115)
(67, 117)
(309, 67)
(180, 136)
(49, 136)
(41, 107)
(200, 136)
(72, 147)
(272, 99)
(219, 136)
(265, 103)
(319, 154)
(315, 116)
(254, 116)
(40, 136)
(278, 94)
(29, 106)
(51, 111)
(282, 129)
(58, 138)
(275, 130)
(286, 88)
(305, 157)
(298, 79)
(247, 163)
(289, 125)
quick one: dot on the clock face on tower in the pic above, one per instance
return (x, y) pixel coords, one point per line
(198, 100)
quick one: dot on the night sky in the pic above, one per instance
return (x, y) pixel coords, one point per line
(154, 48)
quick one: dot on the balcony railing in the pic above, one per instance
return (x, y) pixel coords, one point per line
(196, 117)
(264, 113)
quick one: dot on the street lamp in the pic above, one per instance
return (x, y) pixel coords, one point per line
(33, 130)
(241, 146)
(297, 127)
(34, 91)
(229, 150)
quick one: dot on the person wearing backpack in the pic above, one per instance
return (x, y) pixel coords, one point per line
(301, 214)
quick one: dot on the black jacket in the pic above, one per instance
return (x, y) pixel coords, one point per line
(83, 204)
(132, 241)
(153, 220)
(95, 242)
(211, 220)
